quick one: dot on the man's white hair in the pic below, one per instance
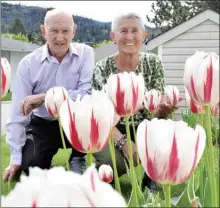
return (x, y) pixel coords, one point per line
(55, 12)
(131, 15)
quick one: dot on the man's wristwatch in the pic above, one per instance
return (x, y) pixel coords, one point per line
(120, 143)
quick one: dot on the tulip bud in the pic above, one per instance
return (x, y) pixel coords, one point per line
(126, 91)
(106, 173)
(201, 78)
(152, 99)
(197, 109)
(172, 95)
(54, 98)
(215, 109)
(5, 76)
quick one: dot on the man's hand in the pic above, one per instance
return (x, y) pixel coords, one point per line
(126, 152)
(30, 103)
(11, 172)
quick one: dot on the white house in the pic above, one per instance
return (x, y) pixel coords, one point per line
(174, 46)
(14, 51)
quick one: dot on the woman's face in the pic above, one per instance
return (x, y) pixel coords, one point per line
(129, 36)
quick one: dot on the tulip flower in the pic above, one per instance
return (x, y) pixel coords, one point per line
(5, 76)
(172, 95)
(201, 78)
(57, 188)
(195, 108)
(106, 173)
(126, 91)
(54, 98)
(116, 116)
(152, 100)
(87, 123)
(215, 109)
(169, 155)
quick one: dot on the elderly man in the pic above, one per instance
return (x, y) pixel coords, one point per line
(32, 134)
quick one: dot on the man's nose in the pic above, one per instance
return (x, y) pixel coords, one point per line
(60, 36)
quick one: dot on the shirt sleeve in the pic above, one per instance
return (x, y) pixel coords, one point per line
(15, 126)
(85, 75)
(157, 76)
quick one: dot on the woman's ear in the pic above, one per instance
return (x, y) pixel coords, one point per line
(145, 35)
(112, 36)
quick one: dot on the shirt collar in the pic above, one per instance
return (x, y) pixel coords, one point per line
(45, 52)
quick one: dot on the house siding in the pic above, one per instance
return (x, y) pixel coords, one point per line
(203, 37)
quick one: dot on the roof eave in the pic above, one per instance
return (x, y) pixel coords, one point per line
(170, 34)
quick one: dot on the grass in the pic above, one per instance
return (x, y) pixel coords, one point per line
(7, 97)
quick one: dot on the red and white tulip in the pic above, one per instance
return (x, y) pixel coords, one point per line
(172, 95)
(88, 122)
(195, 108)
(5, 76)
(126, 91)
(169, 155)
(57, 188)
(201, 78)
(106, 173)
(152, 99)
(53, 100)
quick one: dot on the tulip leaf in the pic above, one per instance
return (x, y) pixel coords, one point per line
(182, 200)
(207, 193)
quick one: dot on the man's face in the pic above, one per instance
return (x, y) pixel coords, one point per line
(59, 33)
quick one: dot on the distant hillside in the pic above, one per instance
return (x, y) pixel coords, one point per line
(88, 30)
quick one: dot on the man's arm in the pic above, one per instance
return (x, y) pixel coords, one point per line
(15, 126)
(85, 75)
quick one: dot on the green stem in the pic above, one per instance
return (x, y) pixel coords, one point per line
(63, 141)
(137, 156)
(112, 152)
(166, 190)
(200, 166)
(200, 119)
(131, 162)
(89, 159)
(211, 168)
(216, 123)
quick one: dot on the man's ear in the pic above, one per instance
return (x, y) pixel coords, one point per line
(112, 36)
(42, 28)
(74, 30)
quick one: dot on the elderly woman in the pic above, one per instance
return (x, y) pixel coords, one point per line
(128, 33)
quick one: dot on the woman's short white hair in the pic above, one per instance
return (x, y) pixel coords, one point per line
(131, 15)
(54, 12)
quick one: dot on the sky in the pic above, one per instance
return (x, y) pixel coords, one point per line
(103, 11)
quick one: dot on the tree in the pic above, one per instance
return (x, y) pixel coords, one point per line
(17, 36)
(17, 27)
(171, 13)
(197, 6)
